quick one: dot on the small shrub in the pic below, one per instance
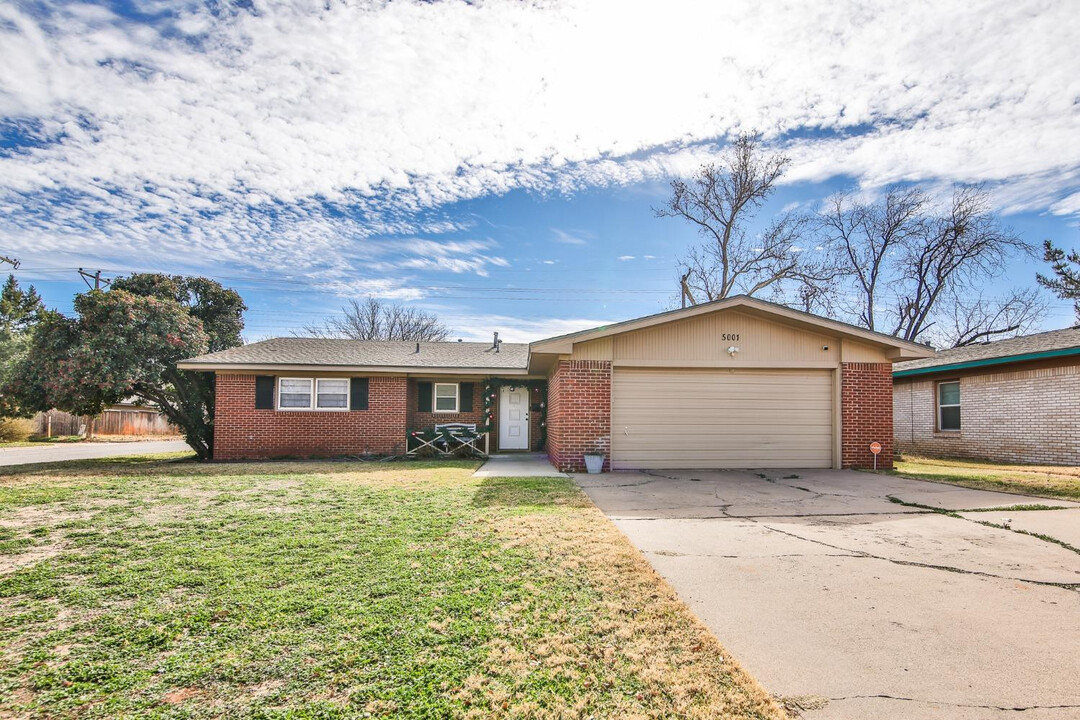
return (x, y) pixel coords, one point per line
(15, 429)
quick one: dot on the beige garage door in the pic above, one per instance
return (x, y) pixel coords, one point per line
(721, 419)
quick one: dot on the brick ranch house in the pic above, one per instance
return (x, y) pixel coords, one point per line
(1014, 400)
(735, 383)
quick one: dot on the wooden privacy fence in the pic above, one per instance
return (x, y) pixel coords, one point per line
(61, 423)
(114, 421)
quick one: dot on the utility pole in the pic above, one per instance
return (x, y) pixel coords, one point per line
(686, 294)
(96, 277)
(13, 262)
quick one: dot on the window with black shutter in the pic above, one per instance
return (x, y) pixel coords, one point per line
(358, 391)
(466, 395)
(264, 392)
(423, 393)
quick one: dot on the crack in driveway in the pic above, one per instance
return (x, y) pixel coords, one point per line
(1004, 708)
(913, 563)
(728, 516)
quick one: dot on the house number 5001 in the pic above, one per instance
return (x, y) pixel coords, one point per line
(730, 336)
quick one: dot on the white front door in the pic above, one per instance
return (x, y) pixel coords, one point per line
(513, 418)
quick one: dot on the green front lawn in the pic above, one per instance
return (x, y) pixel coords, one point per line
(1036, 480)
(323, 590)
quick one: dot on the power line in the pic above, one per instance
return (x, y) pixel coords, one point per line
(442, 291)
(436, 292)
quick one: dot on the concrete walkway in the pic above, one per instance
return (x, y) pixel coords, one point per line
(842, 593)
(57, 452)
(518, 465)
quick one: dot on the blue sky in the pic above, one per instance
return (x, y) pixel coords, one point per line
(498, 163)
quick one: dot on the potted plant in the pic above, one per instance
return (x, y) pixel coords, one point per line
(594, 461)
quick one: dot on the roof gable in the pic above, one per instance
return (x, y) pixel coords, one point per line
(564, 344)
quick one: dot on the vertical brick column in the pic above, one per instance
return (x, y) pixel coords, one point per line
(579, 413)
(243, 433)
(866, 396)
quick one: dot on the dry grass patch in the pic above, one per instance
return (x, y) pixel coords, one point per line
(1037, 480)
(639, 626)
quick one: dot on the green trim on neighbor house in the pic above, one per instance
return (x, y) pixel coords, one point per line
(986, 361)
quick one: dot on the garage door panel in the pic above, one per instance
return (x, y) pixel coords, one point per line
(696, 418)
(679, 418)
(754, 431)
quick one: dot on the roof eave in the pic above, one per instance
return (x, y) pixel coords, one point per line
(300, 367)
(985, 362)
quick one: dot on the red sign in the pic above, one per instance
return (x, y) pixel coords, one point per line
(875, 447)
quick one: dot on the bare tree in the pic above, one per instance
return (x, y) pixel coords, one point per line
(721, 201)
(956, 252)
(918, 273)
(864, 240)
(981, 319)
(375, 320)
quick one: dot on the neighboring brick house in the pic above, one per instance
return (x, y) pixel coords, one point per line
(738, 382)
(1015, 400)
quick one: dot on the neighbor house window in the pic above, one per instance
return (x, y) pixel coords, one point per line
(294, 393)
(332, 394)
(446, 397)
(948, 394)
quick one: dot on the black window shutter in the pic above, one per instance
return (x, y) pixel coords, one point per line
(358, 391)
(423, 392)
(465, 390)
(264, 392)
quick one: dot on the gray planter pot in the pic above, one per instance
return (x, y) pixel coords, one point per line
(594, 464)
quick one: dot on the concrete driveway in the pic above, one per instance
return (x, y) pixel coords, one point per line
(850, 605)
(85, 451)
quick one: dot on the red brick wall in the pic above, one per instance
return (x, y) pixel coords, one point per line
(866, 413)
(579, 413)
(243, 433)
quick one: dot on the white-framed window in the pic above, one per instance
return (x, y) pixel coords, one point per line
(446, 397)
(312, 394)
(332, 393)
(948, 404)
(294, 393)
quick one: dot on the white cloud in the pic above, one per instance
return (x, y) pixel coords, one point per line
(514, 329)
(625, 257)
(457, 257)
(571, 237)
(226, 135)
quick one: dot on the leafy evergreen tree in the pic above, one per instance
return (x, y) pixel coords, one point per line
(126, 342)
(1066, 280)
(20, 311)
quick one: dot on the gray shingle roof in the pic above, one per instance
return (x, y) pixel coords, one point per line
(371, 353)
(1024, 345)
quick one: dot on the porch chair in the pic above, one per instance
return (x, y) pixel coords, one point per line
(448, 438)
(455, 436)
